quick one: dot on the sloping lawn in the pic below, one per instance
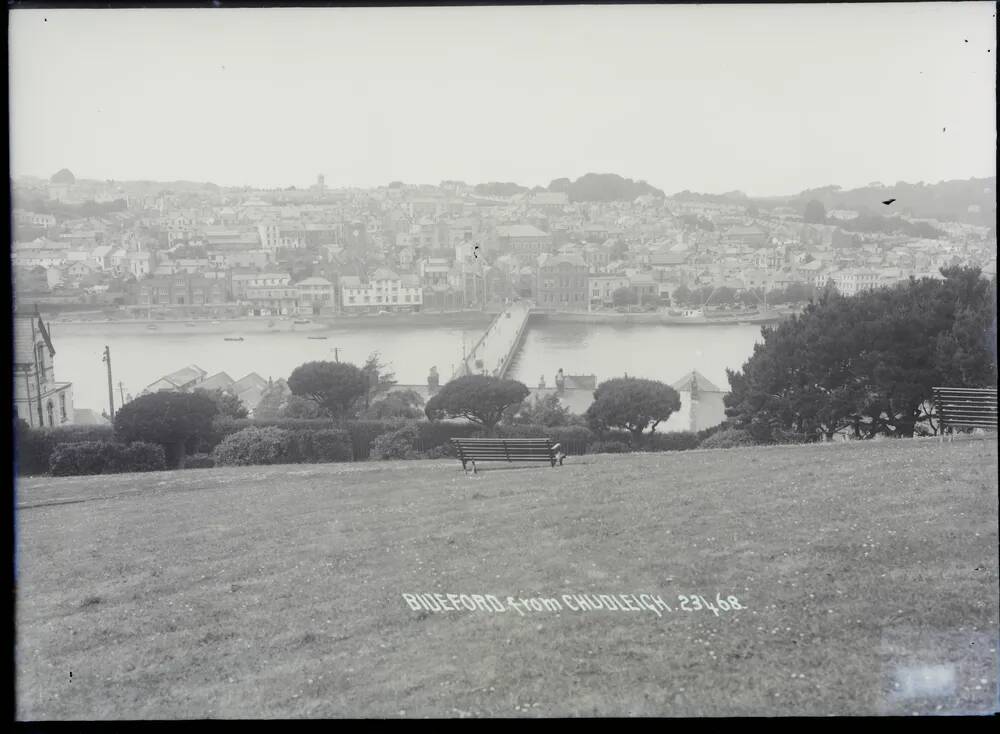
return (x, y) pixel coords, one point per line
(868, 573)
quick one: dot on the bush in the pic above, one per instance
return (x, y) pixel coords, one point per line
(572, 440)
(177, 421)
(440, 433)
(34, 445)
(396, 444)
(199, 461)
(252, 446)
(321, 446)
(608, 447)
(363, 434)
(674, 441)
(360, 433)
(446, 451)
(728, 439)
(103, 457)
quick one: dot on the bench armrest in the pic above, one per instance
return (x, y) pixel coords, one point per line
(556, 447)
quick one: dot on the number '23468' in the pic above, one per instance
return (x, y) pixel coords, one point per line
(696, 602)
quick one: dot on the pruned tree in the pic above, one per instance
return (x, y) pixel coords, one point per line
(229, 405)
(633, 404)
(396, 404)
(545, 411)
(176, 421)
(479, 398)
(335, 386)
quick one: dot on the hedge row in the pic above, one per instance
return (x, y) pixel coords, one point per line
(34, 446)
(256, 445)
(323, 440)
(103, 457)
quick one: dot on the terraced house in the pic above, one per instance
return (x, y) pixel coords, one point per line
(562, 283)
(383, 291)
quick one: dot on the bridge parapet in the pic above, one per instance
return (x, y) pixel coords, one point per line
(494, 352)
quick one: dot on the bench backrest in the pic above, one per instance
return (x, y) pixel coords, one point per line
(966, 407)
(503, 447)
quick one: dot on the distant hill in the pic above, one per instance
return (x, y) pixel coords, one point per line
(495, 188)
(732, 197)
(971, 201)
(603, 187)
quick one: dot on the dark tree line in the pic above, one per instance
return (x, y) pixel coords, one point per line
(866, 364)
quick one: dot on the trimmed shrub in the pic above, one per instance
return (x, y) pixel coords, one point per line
(608, 447)
(440, 433)
(364, 433)
(103, 457)
(572, 440)
(320, 446)
(136, 457)
(446, 451)
(396, 444)
(34, 445)
(674, 441)
(728, 439)
(199, 461)
(525, 430)
(252, 446)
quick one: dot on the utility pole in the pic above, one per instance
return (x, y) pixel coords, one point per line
(111, 389)
(121, 393)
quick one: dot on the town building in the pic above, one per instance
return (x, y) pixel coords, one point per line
(385, 290)
(39, 398)
(181, 290)
(602, 288)
(562, 283)
(523, 239)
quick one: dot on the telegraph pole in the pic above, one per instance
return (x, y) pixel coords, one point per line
(111, 389)
(121, 393)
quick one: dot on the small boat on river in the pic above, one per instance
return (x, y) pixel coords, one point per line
(234, 338)
(315, 337)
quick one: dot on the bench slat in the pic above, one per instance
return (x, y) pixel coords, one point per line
(507, 449)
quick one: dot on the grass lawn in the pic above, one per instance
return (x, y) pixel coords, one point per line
(868, 572)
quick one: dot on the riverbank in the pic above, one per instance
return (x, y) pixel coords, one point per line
(281, 323)
(772, 317)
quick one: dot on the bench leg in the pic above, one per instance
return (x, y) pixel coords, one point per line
(474, 469)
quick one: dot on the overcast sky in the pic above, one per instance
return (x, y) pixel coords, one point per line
(768, 99)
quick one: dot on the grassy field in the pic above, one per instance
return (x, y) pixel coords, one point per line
(868, 572)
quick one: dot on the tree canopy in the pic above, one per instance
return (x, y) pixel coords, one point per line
(478, 398)
(175, 420)
(866, 364)
(335, 386)
(627, 296)
(396, 404)
(545, 411)
(633, 404)
(815, 212)
(229, 405)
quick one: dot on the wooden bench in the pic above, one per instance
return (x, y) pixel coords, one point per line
(506, 449)
(965, 407)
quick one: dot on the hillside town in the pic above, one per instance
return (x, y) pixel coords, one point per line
(146, 250)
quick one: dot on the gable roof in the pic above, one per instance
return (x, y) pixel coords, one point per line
(220, 380)
(702, 383)
(253, 380)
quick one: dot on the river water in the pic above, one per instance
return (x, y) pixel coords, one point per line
(141, 356)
